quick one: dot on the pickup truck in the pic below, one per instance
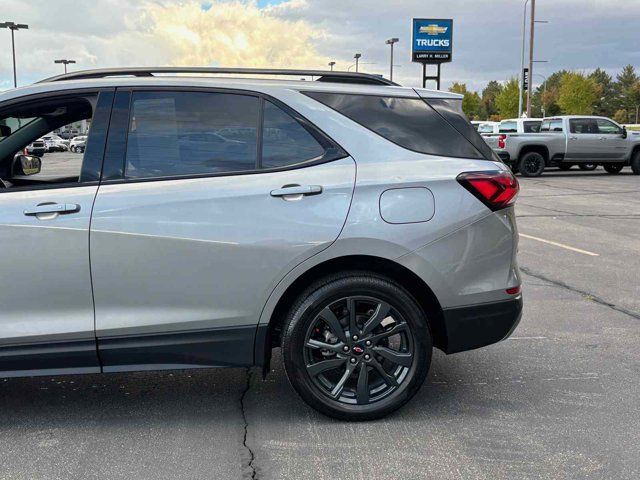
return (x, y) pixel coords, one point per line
(569, 140)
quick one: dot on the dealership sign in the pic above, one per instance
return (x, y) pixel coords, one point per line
(432, 40)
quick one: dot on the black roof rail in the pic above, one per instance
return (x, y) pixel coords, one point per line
(323, 75)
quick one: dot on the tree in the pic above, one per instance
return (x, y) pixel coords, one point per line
(547, 94)
(628, 89)
(470, 102)
(578, 94)
(606, 104)
(489, 94)
(507, 99)
(621, 116)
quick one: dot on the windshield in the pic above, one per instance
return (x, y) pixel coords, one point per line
(485, 128)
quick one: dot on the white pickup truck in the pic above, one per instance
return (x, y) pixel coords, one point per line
(569, 140)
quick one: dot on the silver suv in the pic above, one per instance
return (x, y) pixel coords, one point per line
(354, 223)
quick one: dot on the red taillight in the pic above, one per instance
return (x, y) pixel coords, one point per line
(514, 290)
(502, 141)
(495, 189)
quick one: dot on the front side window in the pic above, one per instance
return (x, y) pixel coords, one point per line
(608, 128)
(408, 122)
(187, 133)
(32, 155)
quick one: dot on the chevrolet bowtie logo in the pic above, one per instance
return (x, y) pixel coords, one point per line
(433, 29)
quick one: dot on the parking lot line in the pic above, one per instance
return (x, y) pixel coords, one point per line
(561, 245)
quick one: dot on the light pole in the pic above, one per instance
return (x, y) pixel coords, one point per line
(331, 64)
(357, 56)
(521, 76)
(390, 42)
(65, 62)
(13, 27)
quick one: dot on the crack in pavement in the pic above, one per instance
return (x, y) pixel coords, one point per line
(248, 469)
(584, 293)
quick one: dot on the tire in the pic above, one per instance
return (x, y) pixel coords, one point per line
(635, 163)
(587, 167)
(322, 314)
(613, 168)
(531, 165)
(565, 167)
(73, 149)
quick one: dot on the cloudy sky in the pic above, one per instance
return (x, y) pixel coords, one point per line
(581, 35)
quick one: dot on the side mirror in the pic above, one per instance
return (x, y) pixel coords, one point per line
(26, 165)
(5, 131)
(624, 132)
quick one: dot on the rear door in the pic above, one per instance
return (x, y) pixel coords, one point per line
(209, 198)
(584, 143)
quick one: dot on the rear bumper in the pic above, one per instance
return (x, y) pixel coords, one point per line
(477, 326)
(503, 155)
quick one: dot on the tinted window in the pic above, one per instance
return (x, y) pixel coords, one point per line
(408, 122)
(508, 127)
(607, 127)
(186, 133)
(531, 127)
(285, 141)
(583, 125)
(452, 112)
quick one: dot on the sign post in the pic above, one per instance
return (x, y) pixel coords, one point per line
(432, 44)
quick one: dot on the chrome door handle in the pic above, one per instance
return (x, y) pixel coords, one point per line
(573, 138)
(60, 208)
(295, 190)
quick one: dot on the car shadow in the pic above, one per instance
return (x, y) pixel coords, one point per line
(144, 399)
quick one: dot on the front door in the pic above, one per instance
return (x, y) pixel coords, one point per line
(46, 315)
(221, 195)
(614, 146)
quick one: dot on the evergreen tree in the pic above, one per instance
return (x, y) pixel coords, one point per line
(489, 94)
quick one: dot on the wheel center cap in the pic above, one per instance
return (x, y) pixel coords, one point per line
(358, 350)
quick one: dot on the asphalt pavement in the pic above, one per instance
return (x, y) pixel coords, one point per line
(559, 399)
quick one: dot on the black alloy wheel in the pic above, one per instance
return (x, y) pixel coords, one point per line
(357, 347)
(635, 163)
(613, 168)
(587, 167)
(531, 165)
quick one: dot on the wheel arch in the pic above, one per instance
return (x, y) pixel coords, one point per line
(537, 148)
(268, 335)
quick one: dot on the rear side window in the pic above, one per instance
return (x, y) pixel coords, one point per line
(408, 122)
(583, 125)
(451, 111)
(184, 133)
(285, 141)
(531, 127)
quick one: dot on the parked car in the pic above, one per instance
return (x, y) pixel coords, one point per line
(54, 143)
(37, 148)
(488, 127)
(78, 144)
(565, 141)
(349, 221)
